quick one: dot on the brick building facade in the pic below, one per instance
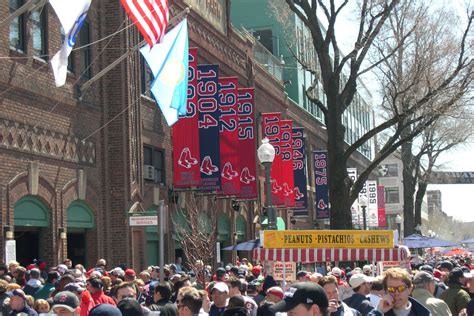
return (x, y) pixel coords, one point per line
(71, 162)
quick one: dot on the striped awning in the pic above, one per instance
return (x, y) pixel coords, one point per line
(400, 253)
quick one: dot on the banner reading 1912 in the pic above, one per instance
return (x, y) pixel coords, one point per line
(328, 239)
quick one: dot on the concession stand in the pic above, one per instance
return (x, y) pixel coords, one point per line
(311, 246)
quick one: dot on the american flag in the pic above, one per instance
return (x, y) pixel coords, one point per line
(150, 16)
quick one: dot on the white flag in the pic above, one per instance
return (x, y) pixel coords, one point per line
(72, 15)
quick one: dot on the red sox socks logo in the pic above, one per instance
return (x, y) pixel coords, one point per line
(286, 189)
(275, 187)
(298, 194)
(185, 160)
(207, 167)
(322, 205)
(245, 176)
(228, 173)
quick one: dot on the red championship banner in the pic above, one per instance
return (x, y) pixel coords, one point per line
(381, 206)
(186, 136)
(286, 145)
(246, 125)
(229, 136)
(271, 130)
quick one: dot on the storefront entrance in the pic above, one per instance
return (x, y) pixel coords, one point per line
(76, 247)
(27, 245)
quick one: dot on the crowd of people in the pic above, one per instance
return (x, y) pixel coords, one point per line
(435, 287)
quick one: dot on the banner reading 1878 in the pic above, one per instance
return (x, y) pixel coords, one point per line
(321, 181)
(328, 239)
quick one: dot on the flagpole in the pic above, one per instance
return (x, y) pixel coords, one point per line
(174, 20)
(29, 6)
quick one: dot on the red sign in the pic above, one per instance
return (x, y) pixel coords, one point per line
(229, 136)
(271, 130)
(286, 145)
(246, 147)
(186, 152)
(381, 206)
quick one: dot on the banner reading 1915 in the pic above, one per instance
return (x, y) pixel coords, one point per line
(328, 239)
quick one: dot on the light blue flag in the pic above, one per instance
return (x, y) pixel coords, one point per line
(168, 63)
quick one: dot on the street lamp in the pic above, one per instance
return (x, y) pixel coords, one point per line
(266, 154)
(398, 220)
(363, 202)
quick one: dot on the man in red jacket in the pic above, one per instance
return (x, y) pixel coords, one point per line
(95, 286)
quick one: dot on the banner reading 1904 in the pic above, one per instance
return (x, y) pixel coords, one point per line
(209, 115)
(321, 181)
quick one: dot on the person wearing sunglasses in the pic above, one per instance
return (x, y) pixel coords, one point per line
(397, 301)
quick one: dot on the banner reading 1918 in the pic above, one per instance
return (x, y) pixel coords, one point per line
(328, 239)
(271, 130)
(286, 143)
(246, 125)
(186, 157)
(229, 138)
(321, 181)
(299, 173)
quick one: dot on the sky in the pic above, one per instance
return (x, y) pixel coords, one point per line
(457, 199)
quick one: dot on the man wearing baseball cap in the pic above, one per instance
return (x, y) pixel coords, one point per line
(18, 304)
(424, 287)
(303, 299)
(65, 304)
(456, 296)
(360, 284)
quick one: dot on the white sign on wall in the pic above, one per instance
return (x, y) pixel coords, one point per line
(151, 220)
(10, 251)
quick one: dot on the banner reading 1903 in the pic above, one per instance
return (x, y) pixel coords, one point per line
(186, 158)
(321, 181)
(209, 115)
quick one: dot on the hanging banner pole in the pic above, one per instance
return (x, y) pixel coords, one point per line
(104, 71)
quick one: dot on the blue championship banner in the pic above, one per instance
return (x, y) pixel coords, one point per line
(209, 115)
(299, 173)
(321, 181)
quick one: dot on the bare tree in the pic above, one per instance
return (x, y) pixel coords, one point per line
(406, 123)
(429, 60)
(198, 232)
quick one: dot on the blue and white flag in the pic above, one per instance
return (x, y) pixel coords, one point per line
(168, 62)
(72, 15)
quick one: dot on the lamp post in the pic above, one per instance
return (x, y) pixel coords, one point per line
(398, 220)
(266, 154)
(363, 203)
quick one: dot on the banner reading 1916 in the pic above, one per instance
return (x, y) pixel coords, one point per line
(328, 239)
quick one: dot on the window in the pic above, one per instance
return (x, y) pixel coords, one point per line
(70, 59)
(154, 164)
(17, 27)
(388, 170)
(85, 39)
(39, 22)
(146, 77)
(265, 37)
(392, 195)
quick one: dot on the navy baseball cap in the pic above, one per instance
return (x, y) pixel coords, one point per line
(301, 293)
